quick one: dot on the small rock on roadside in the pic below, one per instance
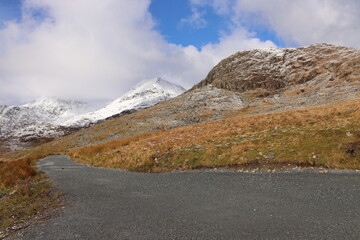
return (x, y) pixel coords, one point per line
(271, 155)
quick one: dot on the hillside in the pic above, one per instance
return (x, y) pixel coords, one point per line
(46, 119)
(290, 106)
(276, 69)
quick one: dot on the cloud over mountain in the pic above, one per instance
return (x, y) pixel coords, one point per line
(92, 49)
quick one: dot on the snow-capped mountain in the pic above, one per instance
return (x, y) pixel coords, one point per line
(39, 115)
(143, 95)
(54, 117)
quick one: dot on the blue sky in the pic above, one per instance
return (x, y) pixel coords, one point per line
(9, 10)
(168, 16)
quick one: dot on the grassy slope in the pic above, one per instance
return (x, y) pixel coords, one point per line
(327, 136)
(24, 194)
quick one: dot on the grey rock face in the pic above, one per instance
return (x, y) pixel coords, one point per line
(274, 69)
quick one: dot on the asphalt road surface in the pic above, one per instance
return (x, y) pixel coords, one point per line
(112, 204)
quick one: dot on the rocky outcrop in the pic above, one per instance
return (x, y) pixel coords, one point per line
(273, 69)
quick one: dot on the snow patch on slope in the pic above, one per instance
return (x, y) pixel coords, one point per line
(55, 110)
(38, 116)
(278, 52)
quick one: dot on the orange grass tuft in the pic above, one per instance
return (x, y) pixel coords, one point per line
(14, 171)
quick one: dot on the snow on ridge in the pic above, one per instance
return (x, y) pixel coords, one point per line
(57, 109)
(278, 52)
(154, 84)
(45, 117)
(52, 100)
(37, 116)
(269, 52)
(60, 104)
(145, 94)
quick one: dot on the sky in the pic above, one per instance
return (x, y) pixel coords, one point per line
(95, 50)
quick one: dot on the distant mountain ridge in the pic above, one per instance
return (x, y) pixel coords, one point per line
(41, 112)
(143, 95)
(37, 121)
(49, 118)
(258, 81)
(260, 109)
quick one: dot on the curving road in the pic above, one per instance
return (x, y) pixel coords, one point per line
(113, 204)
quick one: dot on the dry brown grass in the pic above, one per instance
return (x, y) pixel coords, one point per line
(24, 194)
(12, 172)
(20, 204)
(4, 152)
(220, 142)
(292, 135)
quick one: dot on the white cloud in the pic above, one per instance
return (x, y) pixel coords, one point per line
(91, 49)
(195, 20)
(307, 21)
(296, 22)
(239, 39)
(222, 7)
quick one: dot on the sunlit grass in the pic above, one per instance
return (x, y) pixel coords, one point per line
(317, 136)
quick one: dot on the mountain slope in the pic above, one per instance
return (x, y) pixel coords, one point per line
(241, 119)
(143, 95)
(324, 136)
(47, 118)
(209, 101)
(246, 70)
(37, 121)
(40, 113)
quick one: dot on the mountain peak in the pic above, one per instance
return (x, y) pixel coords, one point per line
(154, 85)
(150, 81)
(145, 94)
(48, 117)
(273, 69)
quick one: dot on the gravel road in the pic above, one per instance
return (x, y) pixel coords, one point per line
(113, 204)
